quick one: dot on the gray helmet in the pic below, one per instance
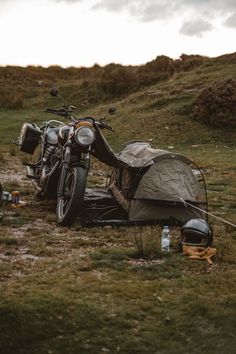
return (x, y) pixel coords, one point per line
(196, 232)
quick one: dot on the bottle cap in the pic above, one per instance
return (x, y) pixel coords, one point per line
(15, 193)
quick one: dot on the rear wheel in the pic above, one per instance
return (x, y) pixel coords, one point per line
(71, 204)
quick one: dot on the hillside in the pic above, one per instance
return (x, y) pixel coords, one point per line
(97, 290)
(26, 87)
(162, 93)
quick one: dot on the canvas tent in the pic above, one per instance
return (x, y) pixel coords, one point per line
(148, 185)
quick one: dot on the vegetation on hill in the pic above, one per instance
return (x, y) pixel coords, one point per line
(216, 104)
(27, 87)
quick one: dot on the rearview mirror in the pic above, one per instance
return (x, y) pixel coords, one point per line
(53, 91)
(112, 110)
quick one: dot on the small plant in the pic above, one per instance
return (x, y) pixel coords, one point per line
(147, 242)
(2, 157)
(12, 150)
(12, 100)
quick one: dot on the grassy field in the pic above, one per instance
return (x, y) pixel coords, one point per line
(97, 290)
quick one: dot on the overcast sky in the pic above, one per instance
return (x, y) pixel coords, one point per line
(84, 32)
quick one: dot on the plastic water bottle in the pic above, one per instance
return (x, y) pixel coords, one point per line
(165, 239)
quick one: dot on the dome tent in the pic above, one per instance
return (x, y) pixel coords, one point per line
(148, 185)
(161, 188)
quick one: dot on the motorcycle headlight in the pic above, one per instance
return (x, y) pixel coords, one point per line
(85, 136)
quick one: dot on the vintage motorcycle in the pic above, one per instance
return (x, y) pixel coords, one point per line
(63, 161)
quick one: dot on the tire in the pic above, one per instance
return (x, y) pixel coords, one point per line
(71, 204)
(1, 191)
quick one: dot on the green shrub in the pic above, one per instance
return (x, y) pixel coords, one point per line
(188, 62)
(157, 70)
(216, 104)
(12, 100)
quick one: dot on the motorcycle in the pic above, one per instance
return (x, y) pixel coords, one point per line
(63, 161)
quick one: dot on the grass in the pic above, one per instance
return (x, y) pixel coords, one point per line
(111, 290)
(70, 290)
(60, 305)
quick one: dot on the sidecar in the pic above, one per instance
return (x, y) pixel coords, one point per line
(146, 186)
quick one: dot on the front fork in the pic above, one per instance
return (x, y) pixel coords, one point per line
(66, 163)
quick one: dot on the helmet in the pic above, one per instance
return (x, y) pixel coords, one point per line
(196, 232)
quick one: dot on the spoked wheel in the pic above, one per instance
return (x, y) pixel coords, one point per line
(71, 204)
(1, 191)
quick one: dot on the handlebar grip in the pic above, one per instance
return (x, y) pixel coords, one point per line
(106, 126)
(50, 110)
(60, 111)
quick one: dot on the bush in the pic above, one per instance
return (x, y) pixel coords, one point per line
(216, 104)
(189, 62)
(157, 70)
(117, 80)
(11, 100)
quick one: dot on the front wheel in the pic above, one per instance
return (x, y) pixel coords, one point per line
(71, 204)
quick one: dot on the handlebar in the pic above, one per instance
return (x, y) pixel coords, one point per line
(63, 112)
(55, 111)
(103, 125)
(50, 110)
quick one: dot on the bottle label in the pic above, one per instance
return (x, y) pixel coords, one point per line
(165, 244)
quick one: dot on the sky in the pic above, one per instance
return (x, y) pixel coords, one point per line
(85, 32)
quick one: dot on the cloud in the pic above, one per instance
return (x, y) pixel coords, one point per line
(151, 10)
(2, 2)
(68, 0)
(231, 21)
(143, 10)
(195, 28)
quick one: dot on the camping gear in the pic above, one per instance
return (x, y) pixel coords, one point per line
(29, 138)
(145, 187)
(6, 196)
(196, 232)
(15, 197)
(194, 252)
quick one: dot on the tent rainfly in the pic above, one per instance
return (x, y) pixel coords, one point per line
(148, 185)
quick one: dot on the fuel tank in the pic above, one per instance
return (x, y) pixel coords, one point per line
(52, 136)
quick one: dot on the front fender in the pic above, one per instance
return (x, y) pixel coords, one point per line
(83, 161)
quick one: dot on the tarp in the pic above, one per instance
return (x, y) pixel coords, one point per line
(151, 183)
(137, 154)
(151, 210)
(104, 152)
(169, 180)
(134, 155)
